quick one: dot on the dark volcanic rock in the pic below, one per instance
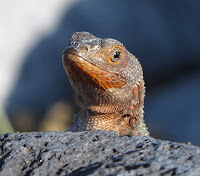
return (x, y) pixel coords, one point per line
(94, 153)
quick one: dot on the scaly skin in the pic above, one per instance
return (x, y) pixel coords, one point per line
(109, 83)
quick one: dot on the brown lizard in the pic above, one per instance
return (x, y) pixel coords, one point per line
(109, 82)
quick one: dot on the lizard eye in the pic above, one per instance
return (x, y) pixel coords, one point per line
(116, 56)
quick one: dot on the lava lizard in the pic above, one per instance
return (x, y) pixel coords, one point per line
(109, 83)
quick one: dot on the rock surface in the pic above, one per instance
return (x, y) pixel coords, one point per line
(94, 153)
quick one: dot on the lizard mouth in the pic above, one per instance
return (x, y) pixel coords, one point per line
(105, 79)
(70, 51)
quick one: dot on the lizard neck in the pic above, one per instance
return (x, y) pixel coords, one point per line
(125, 119)
(122, 124)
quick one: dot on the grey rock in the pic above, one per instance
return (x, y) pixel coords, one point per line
(94, 153)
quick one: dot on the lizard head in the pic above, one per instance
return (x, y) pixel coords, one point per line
(103, 71)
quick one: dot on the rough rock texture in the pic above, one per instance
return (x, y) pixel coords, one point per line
(94, 153)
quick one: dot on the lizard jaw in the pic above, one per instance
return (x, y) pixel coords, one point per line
(102, 77)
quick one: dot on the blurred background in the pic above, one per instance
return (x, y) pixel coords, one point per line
(35, 94)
